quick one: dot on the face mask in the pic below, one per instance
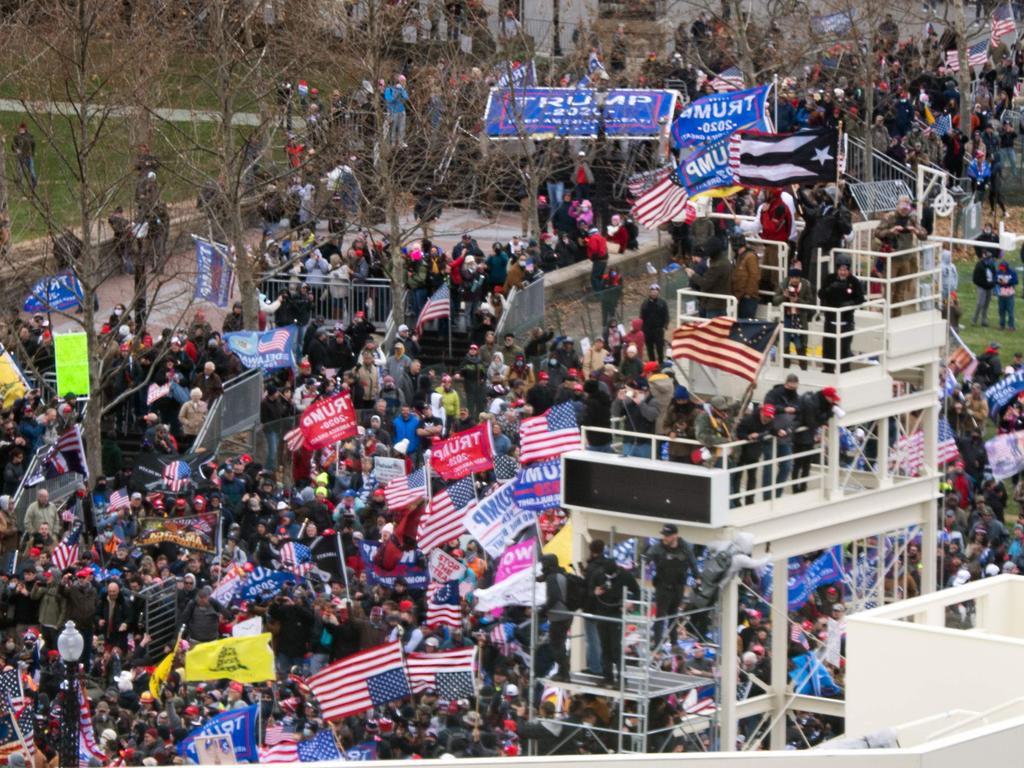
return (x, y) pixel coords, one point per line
(117, 312)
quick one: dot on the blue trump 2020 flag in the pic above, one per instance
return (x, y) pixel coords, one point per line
(1002, 392)
(263, 583)
(214, 275)
(802, 580)
(706, 168)
(60, 292)
(239, 724)
(539, 486)
(268, 350)
(719, 115)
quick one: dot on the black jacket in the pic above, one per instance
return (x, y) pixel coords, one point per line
(654, 314)
(672, 566)
(597, 412)
(837, 292)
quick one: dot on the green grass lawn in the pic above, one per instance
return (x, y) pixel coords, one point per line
(977, 337)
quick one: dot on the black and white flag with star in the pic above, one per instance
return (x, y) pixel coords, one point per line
(780, 159)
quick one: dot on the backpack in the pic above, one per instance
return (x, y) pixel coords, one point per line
(575, 591)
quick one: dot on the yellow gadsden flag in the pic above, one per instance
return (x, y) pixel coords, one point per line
(245, 659)
(561, 545)
(162, 672)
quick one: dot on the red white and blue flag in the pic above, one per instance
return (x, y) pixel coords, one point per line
(444, 607)
(406, 490)
(65, 554)
(439, 305)
(156, 392)
(296, 558)
(176, 476)
(700, 701)
(1002, 23)
(449, 673)
(361, 681)
(274, 341)
(443, 520)
(948, 450)
(729, 79)
(119, 499)
(65, 455)
(977, 55)
(549, 435)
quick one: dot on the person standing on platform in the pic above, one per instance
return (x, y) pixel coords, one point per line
(673, 562)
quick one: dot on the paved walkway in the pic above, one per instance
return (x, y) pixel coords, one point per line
(172, 115)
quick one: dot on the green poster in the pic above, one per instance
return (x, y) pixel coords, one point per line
(72, 353)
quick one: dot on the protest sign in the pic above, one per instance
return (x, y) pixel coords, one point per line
(496, 520)
(464, 453)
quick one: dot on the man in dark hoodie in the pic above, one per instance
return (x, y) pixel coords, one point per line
(556, 612)
(717, 279)
(597, 412)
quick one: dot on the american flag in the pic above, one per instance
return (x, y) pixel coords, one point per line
(700, 701)
(439, 305)
(639, 183)
(296, 558)
(300, 683)
(665, 201)
(119, 499)
(977, 55)
(501, 636)
(361, 681)
(443, 607)
(284, 751)
(157, 391)
(276, 341)
(442, 521)
(733, 346)
(549, 435)
(406, 490)
(65, 554)
(1002, 23)
(947, 450)
(276, 734)
(176, 476)
(65, 455)
(961, 359)
(87, 749)
(449, 673)
(321, 747)
(730, 79)
(909, 453)
(294, 439)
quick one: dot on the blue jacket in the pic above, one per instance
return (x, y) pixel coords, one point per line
(406, 430)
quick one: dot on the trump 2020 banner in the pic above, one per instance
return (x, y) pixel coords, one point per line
(574, 113)
(61, 292)
(539, 486)
(721, 114)
(267, 350)
(496, 520)
(518, 74)
(214, 275)
(1002, 392)
(464, 453)
(1006, 454)
(410, 567)
(328, 421)
(240, 724)
(707, 169)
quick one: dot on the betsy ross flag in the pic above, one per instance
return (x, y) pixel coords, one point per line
(700, 701)
(406, 490)
(733, 346)
(730, 79)
(176, 476)
(442, 521)
(439, 305)
(780, 159)
(119, 499)
(1002, 23)
(665, 201)
(449, 673)
(65, 554)
(65, 455)
(443, 607)
(947, 450)
(549, 435)
(361, 681)
(156, 392)
(977, 55)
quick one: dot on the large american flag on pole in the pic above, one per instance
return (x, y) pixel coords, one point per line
(665, 201)
(296, 558)
(733, 346)
(1002, 23)
(439, 305)
(361, 681)
(947, 450)
(549, 435)
(442, 521)
(449, 673)
(406, 490)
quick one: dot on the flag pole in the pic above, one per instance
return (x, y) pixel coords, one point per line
(839, 166)
(775, 93)
(344, 566)
(17, 728)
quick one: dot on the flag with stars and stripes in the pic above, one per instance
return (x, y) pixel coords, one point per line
(733, 346)
(797, 635)
(296, 558)
(176, 476)
(406, 490)
(361, 681)
(320, 747)
(443, 607)
(666, 200)
(65, 554)
(943, 124)
(88, 750)
(625, 554)
(449, 673)
(700, 701)
(442, 521)
(502, 635)
(1002, 23)
(119, 499)
(284, 750)
(439, 305)
(948, 450)
(294, 439)
(156, 392)
(549, 435)
(908, 455)
(10, 688)
(977, 55)
(729, 79)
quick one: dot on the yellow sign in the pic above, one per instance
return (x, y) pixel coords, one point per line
(245, 659)
(561, 545)
(162, 672)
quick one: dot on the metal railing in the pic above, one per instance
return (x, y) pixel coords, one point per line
(767, 478)
(524, 308)
(883, 167)
(337, 300)
(922, 284)
(59, 487)
(235, 411)
(688, 304)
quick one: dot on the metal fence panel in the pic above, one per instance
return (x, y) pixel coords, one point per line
(240, 403)
(525, 309)
(337, 300)
(160, 616)
(874, 196)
